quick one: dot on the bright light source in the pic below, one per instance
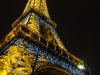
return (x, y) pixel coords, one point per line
(81, 66)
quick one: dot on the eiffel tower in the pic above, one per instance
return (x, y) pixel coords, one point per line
(33, 47)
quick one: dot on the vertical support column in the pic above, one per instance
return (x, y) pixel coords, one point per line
(36, 58)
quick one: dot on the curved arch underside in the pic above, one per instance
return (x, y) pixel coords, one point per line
(51, 70)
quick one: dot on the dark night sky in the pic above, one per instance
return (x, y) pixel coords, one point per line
(78, 25)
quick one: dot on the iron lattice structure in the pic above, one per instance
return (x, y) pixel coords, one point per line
(33, 46)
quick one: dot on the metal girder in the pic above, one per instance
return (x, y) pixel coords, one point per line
(51, 70)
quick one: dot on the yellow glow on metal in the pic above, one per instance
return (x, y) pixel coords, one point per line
(3, 72)
(38, 5)
(56, 70)
(33, 24)
(16, 61)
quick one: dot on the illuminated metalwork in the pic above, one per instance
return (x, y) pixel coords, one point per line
(33, 46)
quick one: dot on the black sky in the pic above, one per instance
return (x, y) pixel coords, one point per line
(78, 25)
